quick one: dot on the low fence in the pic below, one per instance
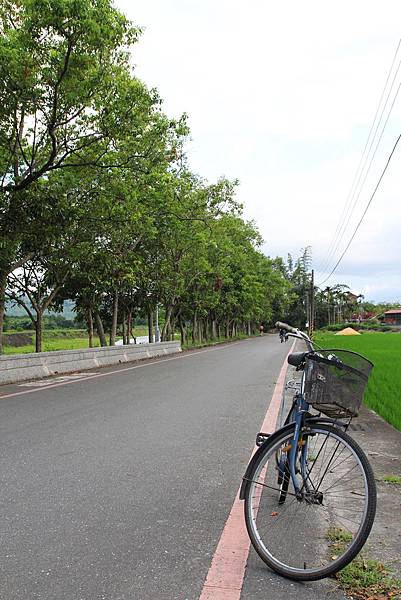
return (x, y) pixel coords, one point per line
(24, 367)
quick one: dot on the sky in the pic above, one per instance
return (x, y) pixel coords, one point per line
(282, 96)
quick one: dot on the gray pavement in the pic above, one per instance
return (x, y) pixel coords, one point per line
(260, 582)
(382, 444)
(118, 487)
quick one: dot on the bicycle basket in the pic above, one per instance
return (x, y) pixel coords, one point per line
(335, 382)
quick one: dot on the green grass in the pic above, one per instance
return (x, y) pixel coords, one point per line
(394, 479)
(336, 534)
(362, 578)
(383, 393)
(60, 339)
(369, 579)
(51, 344)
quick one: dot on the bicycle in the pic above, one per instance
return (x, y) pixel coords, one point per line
(309, 490)
(283, 335)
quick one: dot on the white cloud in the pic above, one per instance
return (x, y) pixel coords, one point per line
(281, 96)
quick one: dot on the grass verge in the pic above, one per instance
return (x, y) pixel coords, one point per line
(60, 339)
(369, 580)
(394, 479)
(363, 578)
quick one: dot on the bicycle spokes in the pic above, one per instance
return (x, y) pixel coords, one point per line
(313, 529)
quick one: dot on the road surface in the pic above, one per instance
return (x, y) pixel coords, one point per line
(118, 486)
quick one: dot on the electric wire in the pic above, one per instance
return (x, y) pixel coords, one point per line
(340, 223)
(356, 198)
(352, 198)
(364, 212)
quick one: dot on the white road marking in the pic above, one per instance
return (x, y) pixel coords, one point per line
(122, 370)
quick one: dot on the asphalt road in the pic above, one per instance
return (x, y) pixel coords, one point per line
(118, 487)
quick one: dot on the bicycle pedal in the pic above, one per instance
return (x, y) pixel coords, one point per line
(261, 438)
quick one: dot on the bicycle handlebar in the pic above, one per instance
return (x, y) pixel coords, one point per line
(286, 327)
(294, 332)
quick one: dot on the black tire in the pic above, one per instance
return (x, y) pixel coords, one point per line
(305, 532)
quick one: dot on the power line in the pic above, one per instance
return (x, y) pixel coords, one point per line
(364, 212)
(368, 169)
(351, 199)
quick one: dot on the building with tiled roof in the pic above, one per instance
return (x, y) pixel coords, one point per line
(392, 317)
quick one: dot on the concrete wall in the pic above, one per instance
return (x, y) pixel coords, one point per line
(24, 367)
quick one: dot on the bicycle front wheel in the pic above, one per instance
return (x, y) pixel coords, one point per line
(319, 533)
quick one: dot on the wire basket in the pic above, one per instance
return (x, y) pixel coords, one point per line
(335, 382)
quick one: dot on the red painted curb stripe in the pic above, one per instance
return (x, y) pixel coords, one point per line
(225, 577)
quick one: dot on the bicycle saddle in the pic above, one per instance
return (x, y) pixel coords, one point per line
(297, 358)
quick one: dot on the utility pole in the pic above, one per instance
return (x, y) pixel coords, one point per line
(312, 304)
(307, 301)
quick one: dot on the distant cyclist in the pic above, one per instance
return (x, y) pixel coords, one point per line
(283, 335)
(261, 329)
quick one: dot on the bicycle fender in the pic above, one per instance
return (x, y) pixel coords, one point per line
(255, 458)
(326, 421)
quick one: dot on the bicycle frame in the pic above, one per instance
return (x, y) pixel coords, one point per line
(302, 418)
(301, 409)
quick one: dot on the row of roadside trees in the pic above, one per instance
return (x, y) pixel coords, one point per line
(97, 203)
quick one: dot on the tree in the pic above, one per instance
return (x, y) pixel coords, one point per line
(297, 274)
(35, 289)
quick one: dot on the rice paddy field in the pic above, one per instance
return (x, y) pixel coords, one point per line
(383, 393)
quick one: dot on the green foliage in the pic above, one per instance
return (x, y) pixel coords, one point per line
(297, 274)
(97, 204)
(51, 322)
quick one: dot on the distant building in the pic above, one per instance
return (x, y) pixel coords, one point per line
(392, 317)
(352, 298)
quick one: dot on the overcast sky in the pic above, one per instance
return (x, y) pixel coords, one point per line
(282, 95)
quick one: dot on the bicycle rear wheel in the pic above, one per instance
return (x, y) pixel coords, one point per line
(319, 534)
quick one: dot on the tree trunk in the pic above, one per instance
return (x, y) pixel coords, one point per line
(100, 329)
(113, 330)
(214, 329)
(129, 326)
(3, 284)
(194, 327)
(182, 330)
(150, 326)
(167, 323)
(172, 329)
(38, 331)
(124, 331)
(89, 320)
